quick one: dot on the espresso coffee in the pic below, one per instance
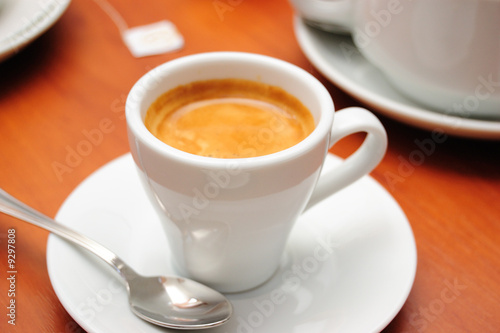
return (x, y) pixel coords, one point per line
(229, 118)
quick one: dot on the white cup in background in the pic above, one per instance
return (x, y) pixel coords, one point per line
(444, 54)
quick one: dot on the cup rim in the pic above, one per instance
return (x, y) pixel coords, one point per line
(323, 125)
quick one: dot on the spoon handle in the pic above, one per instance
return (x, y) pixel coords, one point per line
(13, 207)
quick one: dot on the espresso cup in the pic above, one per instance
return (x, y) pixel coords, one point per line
(442, 54)
(227, 220)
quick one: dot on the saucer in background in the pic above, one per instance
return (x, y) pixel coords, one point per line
(22, 21)
(336, 57)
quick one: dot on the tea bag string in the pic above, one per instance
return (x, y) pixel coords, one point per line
(113, 14)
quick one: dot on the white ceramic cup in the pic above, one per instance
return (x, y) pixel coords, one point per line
(443, 54)
(227, 220)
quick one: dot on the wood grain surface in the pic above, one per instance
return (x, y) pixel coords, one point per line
(75, 78)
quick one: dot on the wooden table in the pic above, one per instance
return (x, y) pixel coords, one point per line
(78, 74)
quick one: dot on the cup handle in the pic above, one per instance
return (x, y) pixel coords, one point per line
(362, 161)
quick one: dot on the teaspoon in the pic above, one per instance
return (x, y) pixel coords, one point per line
(172, 302)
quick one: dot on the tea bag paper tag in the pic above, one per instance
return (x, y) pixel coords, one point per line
(152, 39)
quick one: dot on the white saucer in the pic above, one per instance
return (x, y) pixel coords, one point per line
(358, 282)
(22, 21)
(336, 57)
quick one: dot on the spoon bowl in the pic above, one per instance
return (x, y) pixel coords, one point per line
(166, 301)
(191, 299)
